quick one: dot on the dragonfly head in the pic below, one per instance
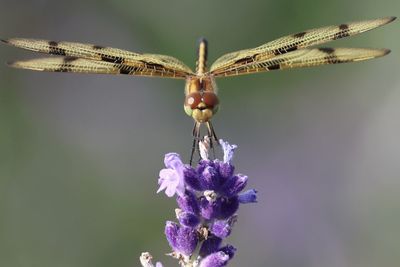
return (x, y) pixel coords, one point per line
(201, 105)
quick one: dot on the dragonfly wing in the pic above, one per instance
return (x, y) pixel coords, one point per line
(166, 66)
(307, 58)
(293, 42)
(81, 65)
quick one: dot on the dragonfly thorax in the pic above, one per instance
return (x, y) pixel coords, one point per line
(201, 101)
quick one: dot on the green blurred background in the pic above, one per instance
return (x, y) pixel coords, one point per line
(80, 154)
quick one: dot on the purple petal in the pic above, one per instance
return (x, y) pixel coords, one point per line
(159, 264)
(173, 161)
(171, 179)
(250, 196)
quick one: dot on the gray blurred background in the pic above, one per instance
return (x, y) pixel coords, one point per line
(80, 154)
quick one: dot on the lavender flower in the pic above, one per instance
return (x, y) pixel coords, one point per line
(208, 196)
(171, 179)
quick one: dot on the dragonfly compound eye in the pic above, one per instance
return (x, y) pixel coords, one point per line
(191, 102)
(211, 101)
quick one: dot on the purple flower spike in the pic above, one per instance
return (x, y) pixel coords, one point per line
(217, 259)
(208, 196)
(234, 185)
(250, 196)
(210, 245)
(228, 150)
(171, 179)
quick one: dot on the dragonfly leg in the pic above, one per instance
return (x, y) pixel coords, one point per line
(196, 139)
(212, 136)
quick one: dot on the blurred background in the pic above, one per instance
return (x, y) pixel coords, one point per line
(80, 154)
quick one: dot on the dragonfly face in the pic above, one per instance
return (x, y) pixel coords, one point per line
(201, 101)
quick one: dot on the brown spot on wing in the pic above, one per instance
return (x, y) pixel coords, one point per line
(98, 47)
(116, 60)
(55, 50)
(124, 71)
(299, 35)
(154, 65)
(343, 31)
(53, 43)
(246, 60)
(330, 58)
(285, 50)
(69, 59)
(327, 50)
(274, 67)
(343, 26)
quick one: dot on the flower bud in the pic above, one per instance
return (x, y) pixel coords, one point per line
(234, 185)
(221, 229)
(250, 196)
(217, 259)
(188, 202)
(228, 207)
(188, 219)
(210, 245)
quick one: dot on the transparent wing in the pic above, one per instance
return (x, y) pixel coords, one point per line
(166, 66)
(81, 65)
(307, 58)
(291, 43)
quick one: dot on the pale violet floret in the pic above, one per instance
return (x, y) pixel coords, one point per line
(172, 178)
(228, 150)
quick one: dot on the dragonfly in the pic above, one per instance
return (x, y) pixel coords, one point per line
(201, 100)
